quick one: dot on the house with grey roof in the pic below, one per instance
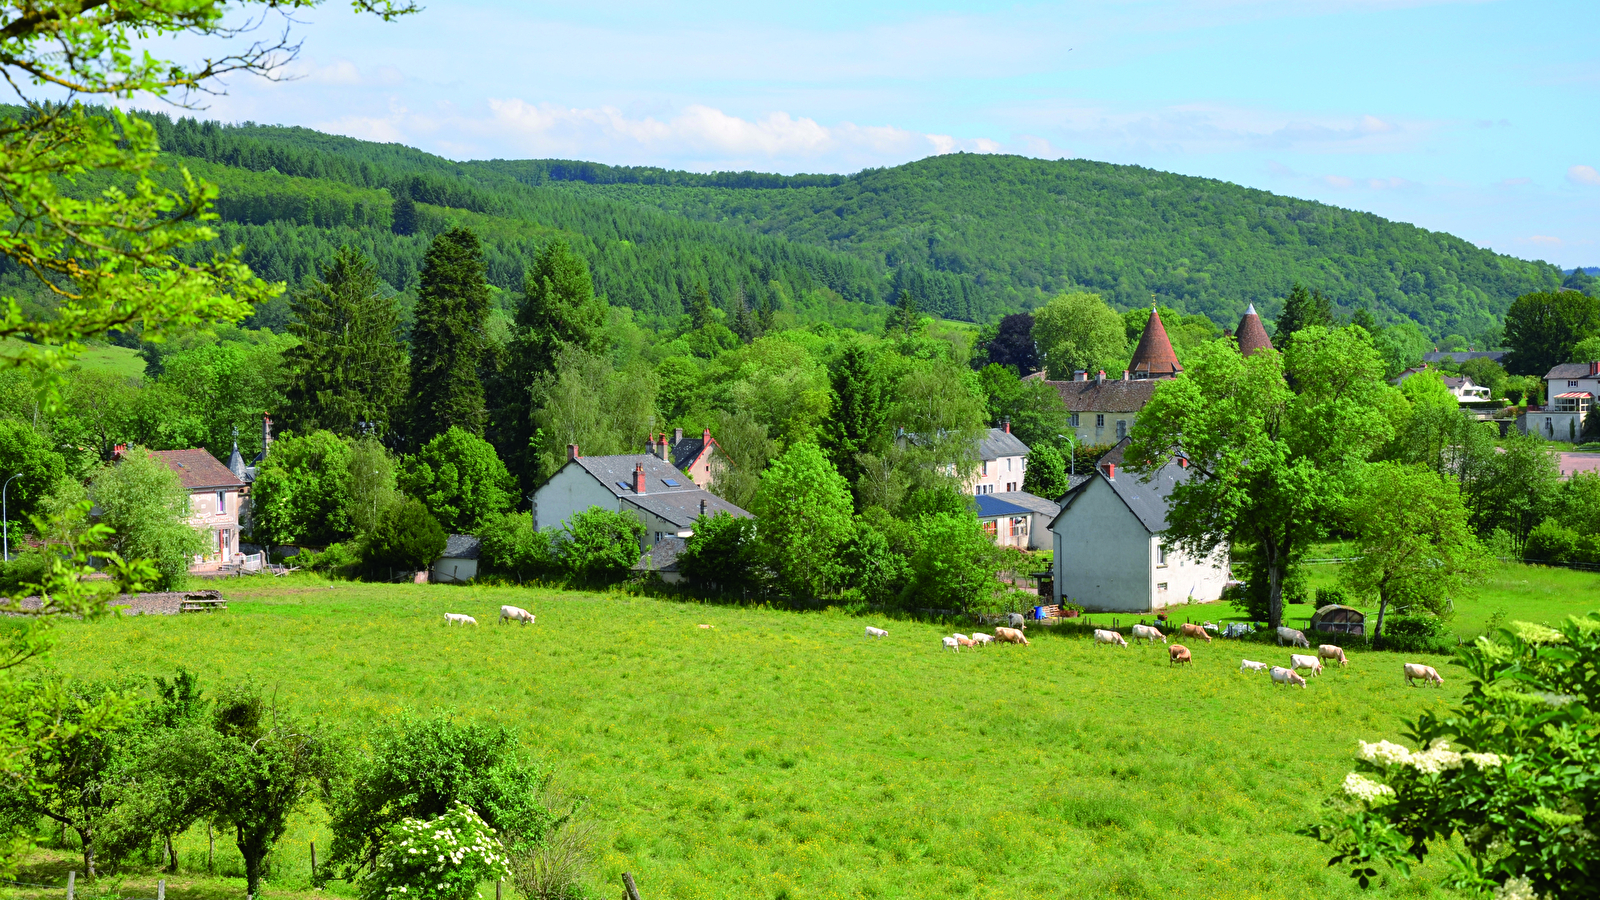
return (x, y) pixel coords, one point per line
(1571, 390)
(691, 455)
(1017, 519)
(640, 484)
(1002, 459)
(662, 559)
(1111, 549)
(458, 562)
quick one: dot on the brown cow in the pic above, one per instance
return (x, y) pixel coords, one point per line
(1009, 635)
(1189, 629)
(1178, 653)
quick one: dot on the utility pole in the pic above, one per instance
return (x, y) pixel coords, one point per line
(5, 518)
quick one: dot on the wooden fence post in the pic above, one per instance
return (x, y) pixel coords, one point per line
(161, 889)
(72, 878)
(211, 846)
(633, 890)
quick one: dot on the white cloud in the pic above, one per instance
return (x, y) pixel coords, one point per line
(1545, 239)
(1583, 175)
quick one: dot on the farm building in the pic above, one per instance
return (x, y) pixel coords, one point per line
(1111, 553)
(1017, 519)
(1336, 619)
(458, 562)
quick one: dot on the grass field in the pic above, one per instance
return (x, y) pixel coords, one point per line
(113, 359)
(781, 755)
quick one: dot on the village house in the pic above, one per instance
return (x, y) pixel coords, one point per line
(1462, 387)
(1571, 389)
(1002, 460)
(691, 456)
(1111, 550)
(215, 498)
(1102, 410)
(640, 484)
(1017, 519)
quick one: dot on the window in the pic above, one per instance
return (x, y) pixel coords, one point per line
(658, 536)
(1008, 464)
(1122, 429)
(1074, 420)
(1572, 384)
(986, 468)
(1019, 526)
(669, 482)
(1162, 587)
(990, 527)
(1161, 554)
(222, 502)
(1099, 420)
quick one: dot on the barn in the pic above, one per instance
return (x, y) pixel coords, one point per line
(1335, 619)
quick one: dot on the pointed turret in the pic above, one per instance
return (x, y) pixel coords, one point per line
(1154, 357)
(1252, 334)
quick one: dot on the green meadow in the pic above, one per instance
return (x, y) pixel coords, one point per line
(782, 755)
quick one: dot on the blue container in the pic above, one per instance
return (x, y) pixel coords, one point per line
(1038, 612)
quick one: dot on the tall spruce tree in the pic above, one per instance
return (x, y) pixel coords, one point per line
(558, 310)
(348, 373)
(1303, 309)
(859, 421)
(448, 343)
(903, 317)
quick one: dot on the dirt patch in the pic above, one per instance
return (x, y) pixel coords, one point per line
(168, 603)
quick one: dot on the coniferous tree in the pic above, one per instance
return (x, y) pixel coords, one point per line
(745, 324)
(348, 373)
(859, 421)
(448, 344)
(1303, 309)
(903, 317)
(700, 308)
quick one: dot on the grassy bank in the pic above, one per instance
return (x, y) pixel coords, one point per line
(781, 755)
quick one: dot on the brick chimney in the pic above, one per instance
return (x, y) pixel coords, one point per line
(1080, 375)
(1111, 470)
(677, 436)
(663, 445)
(1183, 461)
(1594, 369)
(1006, 424)
(705, 438)
(638, 478)
(572, 451)
(1101, 377)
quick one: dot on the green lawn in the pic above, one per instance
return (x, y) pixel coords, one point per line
(781, 755)
(109, 358)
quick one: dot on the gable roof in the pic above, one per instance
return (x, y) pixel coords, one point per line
(616, 473)
(685, 452)
(663, 557)
(1153, 358)
(1252, 334)
(682, 508)
(1000, 442)
(1029, 502)
(461, 546)
(1104, 396)
(990, 506)
(1147, 501)
(198, 469)
(1573, 370)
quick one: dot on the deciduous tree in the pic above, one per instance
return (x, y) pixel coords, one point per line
(461, 480)
(1079, 331)
(599, 545)
(147, 508)
(301, 494)
(804, 511)
(1543, 328)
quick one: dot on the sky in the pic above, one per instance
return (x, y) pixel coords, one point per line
(1481, 119)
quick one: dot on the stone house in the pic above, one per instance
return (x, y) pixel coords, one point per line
(215, 498)
(640, 484)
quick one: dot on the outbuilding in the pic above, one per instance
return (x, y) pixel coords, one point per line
(458, 562)
(1335, 619)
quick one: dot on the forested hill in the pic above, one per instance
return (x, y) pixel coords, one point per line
(974, 234)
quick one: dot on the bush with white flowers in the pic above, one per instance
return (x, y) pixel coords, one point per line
(439, 859)
(1514, 770)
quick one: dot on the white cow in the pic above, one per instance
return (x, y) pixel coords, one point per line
(459, 619)
(964, 641)
(1017, 621)
(1298, 661)
(1009, 636)
(1295, 638)
(950, 643)
(980, 638)
(1280, 675)
(1103, 636)
(1148, 633)
(1426, 673)
(515, 614)
(1249, 665)
(876, 632)
(1331, 651)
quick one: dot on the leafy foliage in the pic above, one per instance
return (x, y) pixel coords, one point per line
(147, 509)
(407, 538)
(443, 858)
(301, 494)
(1079, 331)
(720, 557)
(1543, 328)
(460, 479)
(804, 508)
(599, 545)
(448, 343)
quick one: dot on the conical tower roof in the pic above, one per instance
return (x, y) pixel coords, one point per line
(1252, 334)
(1153, 358)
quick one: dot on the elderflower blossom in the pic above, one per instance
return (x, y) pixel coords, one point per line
(1384, 753)
(1365, 789)
(1435, 759)
(1482, 760)
(1515, 889)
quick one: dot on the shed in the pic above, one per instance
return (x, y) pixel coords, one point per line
(1336, 619)
(458, 562)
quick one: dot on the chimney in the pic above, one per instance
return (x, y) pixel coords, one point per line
(1080, 375)
(1111, 470)
(638, 478)
(1183, 461)
(266, 434)
(663, 445)
(1594, 369)
(705, 438)
(1006, 424)
(572, 451)
(677, 436)
(1100, 378)
(702, 506)
(1124, 374)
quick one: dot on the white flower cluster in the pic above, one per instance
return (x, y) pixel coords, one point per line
(1365, 789)
(1437, 758)
(1384, 753)
(1482, 760)
(1515, 889)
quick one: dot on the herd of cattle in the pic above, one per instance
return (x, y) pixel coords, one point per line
(1178, 653)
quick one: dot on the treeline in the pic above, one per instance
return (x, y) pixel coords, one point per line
(541, 171)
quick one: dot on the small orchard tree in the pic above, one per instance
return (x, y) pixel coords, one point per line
(461, 480)
(598, 545)
(147, 509)
(407, 538)
(1510, 770)
(1417, 547)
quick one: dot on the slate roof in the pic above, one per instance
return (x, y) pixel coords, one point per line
(990, 506)
(1572, 370)
(999, 442)
(198, 470)
(1033, 504)
(1146, 500)
(682, 508)
(1104, 396)
(1251, 334)
(663, 557)
(1153, 358)
(616, 473)
(686, 451)
(244, 473)
(461, 546)
(1461, 356)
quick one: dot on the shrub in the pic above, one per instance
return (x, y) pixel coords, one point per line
(407, 537)
(1550, 543)
(334, 559)
(1330, 597)
(599, 545)
(511, 546)
(720, 557)
(445, 858)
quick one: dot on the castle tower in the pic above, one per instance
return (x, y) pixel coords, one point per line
(1153, 358)
(1252, 335)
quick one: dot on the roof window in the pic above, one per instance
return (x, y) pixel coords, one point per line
(669, 482)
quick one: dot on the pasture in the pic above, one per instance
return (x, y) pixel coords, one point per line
(783, 755)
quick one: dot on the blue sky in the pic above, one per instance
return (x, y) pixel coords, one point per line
(1477, 118)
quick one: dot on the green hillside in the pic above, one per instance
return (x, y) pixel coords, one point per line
(973, 235)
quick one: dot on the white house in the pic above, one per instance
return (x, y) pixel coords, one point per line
(1002, 460)
(643, 485)
(1110, 550)
(1017, 519)
(458, 562)
(1571, 389)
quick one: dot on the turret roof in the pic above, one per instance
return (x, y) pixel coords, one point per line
(1154, 357)
(1252, 334)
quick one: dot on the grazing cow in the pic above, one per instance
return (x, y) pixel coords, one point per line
(1331, 651)
(1280, 675)
(1178, 653)
(952, 644)
(705, 626)
(980, 638)
(1426, 673)
(1297, 661)
(1148, 633)
(1295, 638)
(1009, 636)
(1017, 620)
(876, 632)
(459, 619)
(964, 641)
(515, 614)
(1249, 665)
(1103, 636)
(1189, 629)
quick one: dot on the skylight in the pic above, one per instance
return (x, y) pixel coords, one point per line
(669, 482)
(624, 485)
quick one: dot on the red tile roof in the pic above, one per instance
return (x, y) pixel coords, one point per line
(198, 470)
(1154, 357)
(1252, 335)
